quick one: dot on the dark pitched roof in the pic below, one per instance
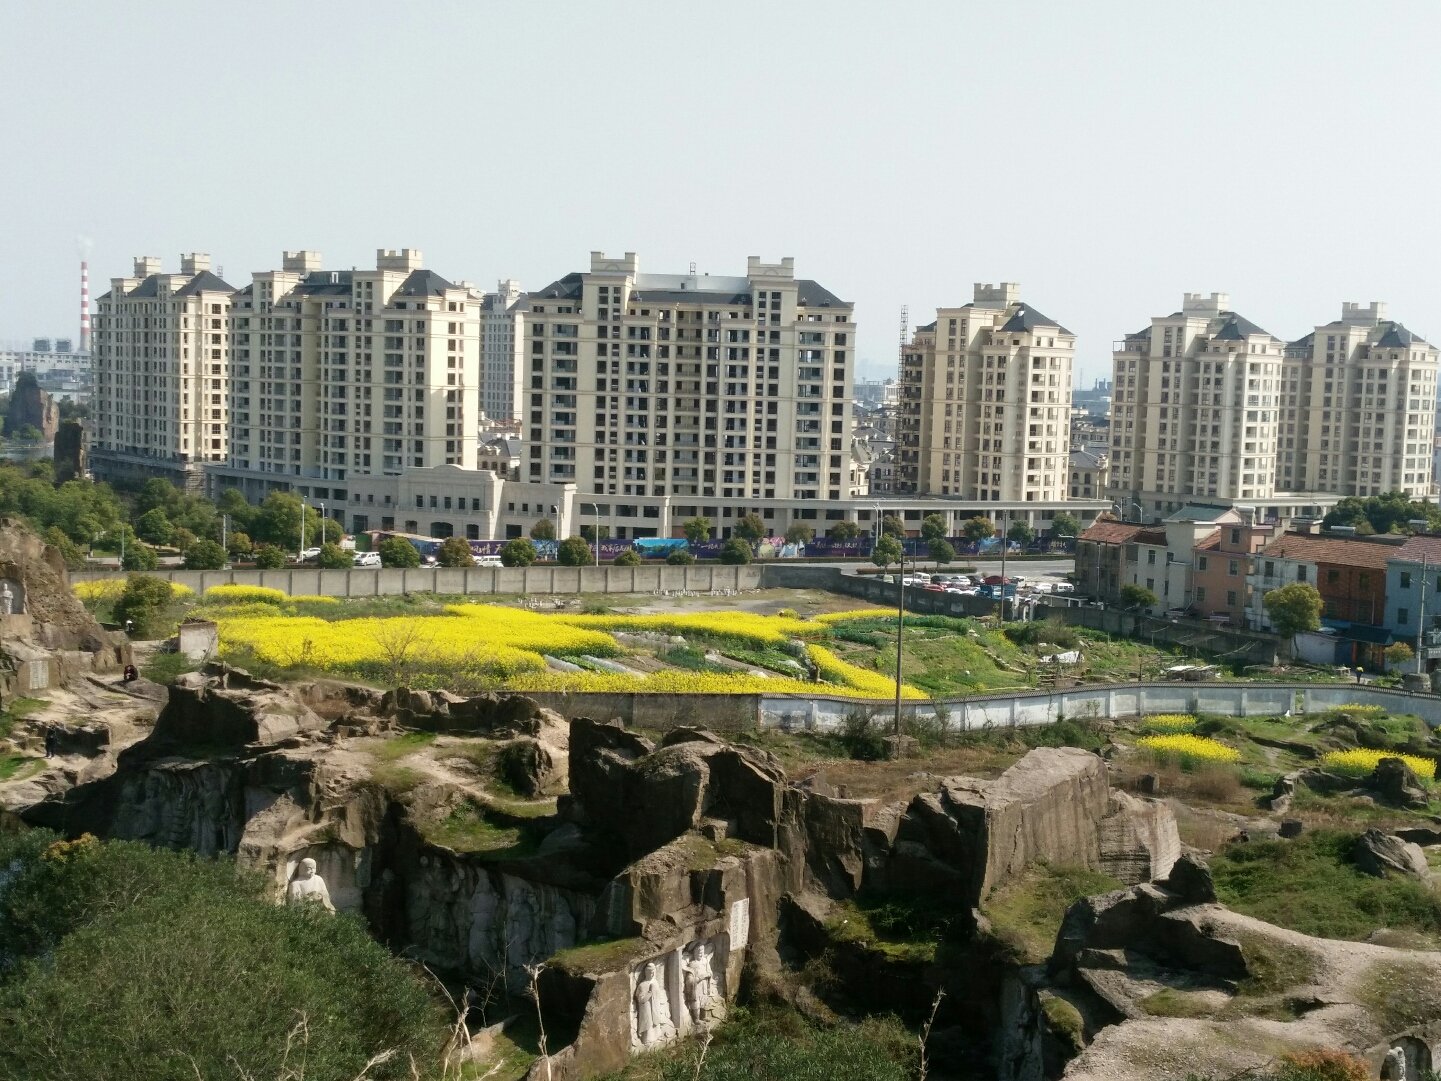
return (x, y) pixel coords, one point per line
(1237, 328)
(150, 287)
(566, 288)
(1342, 551)
(423, 283)
(928, 326)
(1418, 549)
(811, 294)
(1397, 336)
(1304, 341)
(322, 282)
(204, 282)
(1027, 318)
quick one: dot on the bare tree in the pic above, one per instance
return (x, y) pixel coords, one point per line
(400, 640)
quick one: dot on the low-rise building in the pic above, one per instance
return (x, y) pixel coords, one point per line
(1220, 567)
(1088, 474)
(1413, 595)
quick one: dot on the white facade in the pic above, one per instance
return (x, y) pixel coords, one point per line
(502, 335)
(985, 402)
(162, 371)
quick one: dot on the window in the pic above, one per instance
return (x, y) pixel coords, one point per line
(1405, 580)
(1231, 598)
(1233, 567)
(1200, 594)
(1403, 616)
(1301, 573)
(1200, 565)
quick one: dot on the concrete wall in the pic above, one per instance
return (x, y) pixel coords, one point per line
(469, 580)
(728, 713)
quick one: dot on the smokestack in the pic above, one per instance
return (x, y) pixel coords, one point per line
(84, 306)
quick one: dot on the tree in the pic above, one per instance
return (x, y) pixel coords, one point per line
(154, 527)
(978, 529)
(239, 544)
(71, 552)
(1391, 512)
(518, 553)
(1399, 654)
(933, 527)
(182, 538)
(892, 526)
(205, 555)
(751, 528)
(941, 551)
(397, 552)
(697, 530)
(844, 530)
(1134, 596)
(1292, 609)
(142, 603)
(629, 558)
(454, 552)
(799, 533)
(887, 551)
(1063, 525)
(138, 557)
(735, 552)
(1020, 533)
(278, 522)
(269, 558)
(334, 558)
(195, 967)
(543, 530)
(574, 552)
(680, 558)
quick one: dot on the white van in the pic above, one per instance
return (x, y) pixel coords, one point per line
(487, 561)
(366, 559)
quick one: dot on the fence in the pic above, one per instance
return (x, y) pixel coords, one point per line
(390, 581)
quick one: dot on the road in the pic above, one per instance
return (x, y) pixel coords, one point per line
(1049, 569)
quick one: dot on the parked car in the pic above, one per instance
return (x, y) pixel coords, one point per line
(308, 554)
(366, 559)
(487, 561)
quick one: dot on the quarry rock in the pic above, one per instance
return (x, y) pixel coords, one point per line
(1396, 783)
(1383, 854)
(1139, 839)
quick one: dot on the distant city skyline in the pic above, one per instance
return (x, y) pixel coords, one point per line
(1090, 153)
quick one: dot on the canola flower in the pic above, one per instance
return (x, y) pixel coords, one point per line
(1169, 723)
(1359, 707)
(833, 669)
(748, 627)
(109, 589)
(1361, 761)
(1187, 746)
(854, 613)
(243, 595)
(313, 598)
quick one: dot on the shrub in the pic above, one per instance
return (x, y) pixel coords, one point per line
(143, 602)
(269, 558)
(1190, 748)
(862, 736)
(398, 552)
(543, 530)
(680, 558)
(205, 555)
(1051, 631)
(334, 558)
(138, 558)
(574, 552)
(629, 558)
(1361, 761)
(735, 552)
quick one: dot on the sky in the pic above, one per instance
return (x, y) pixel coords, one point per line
(1109, 156)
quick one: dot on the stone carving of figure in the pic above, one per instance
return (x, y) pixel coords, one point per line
(7, 599)
(700, 989)
(308, 887)
(1396, 1065)
(652, 1008)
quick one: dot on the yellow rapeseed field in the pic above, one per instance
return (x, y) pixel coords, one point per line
(244, 595)
(1169, 723)
(870, 684)
(853, 613)
(1187, 746)
(748, 627)
(1361, 761)
(109, 589)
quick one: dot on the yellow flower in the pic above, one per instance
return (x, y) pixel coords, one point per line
(1169, 723)
(1187, 746)
(109, 589)
(1361, 761)
(243, 595)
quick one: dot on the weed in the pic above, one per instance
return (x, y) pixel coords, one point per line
(1026, 913)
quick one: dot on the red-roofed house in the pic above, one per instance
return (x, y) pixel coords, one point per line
(1099, 554)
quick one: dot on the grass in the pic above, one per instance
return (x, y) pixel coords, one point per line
(166, 667)
(602, 956)
(1402, 993)
(1310, 884)
(395, 748)
(1026, 913)
(1172, 1002)
(904, 927)
(16, 767)
(470, 828)
(397, 780)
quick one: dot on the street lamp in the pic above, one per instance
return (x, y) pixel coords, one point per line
(322, 525)
(595, 509)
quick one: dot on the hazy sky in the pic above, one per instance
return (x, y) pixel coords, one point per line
(1108, 156)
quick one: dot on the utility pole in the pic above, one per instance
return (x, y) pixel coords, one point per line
(300, 555)
(1421, 620)
(1004, 545)
(900, 631)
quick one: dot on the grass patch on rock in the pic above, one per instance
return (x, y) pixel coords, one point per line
(904, 927)
(603, 956)
(16, 767)
(1026, 913)
(1172, 1002)
(1310, 884)
(469, 827)
(1401, 993)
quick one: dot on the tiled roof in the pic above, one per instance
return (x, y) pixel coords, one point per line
(1306, 548)
(1417, 549)
(1211, 543)
(1153, 537)
(1028, 319)
(1109, 531)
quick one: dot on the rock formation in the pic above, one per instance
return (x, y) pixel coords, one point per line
(71, 459)
(30, 407)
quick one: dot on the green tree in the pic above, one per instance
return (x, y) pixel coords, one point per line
(978, 529)
(844, 530)
(163, 966)
(230, 502)
(629, 558)
(239, 544)
(735, 551)
(574, 552)
(1063, 525)
(205, 555)
(750, 527)
(182, 538)
(268, 557)
(518, 553)
(680, 558)
(933, 527)
(543, 530)
(138, 557)
(799, 533)
(397, 552)
(1292, 609)
(157, 493)
(29, 434)
(1020, 533)
(697, 530)
(454, 552)
(941, 551)
(71, 552)
(154, 527)
(1399, 654)
(1134, 596)
(278, 522)
(334, 558)
(143, 602)
(1390, 512)
(892, 526)
(887, 551)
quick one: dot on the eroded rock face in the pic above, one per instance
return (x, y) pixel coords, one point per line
(229, 707)
(1139, 839)
(1383, 854)
(1395, 783)
(31, 407)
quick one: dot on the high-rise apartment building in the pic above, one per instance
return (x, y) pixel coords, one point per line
(161, 365)
(1207, 404)
(502, 323)
(340, 374)
(985, 402)
(652, 391)
(1359, 400)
